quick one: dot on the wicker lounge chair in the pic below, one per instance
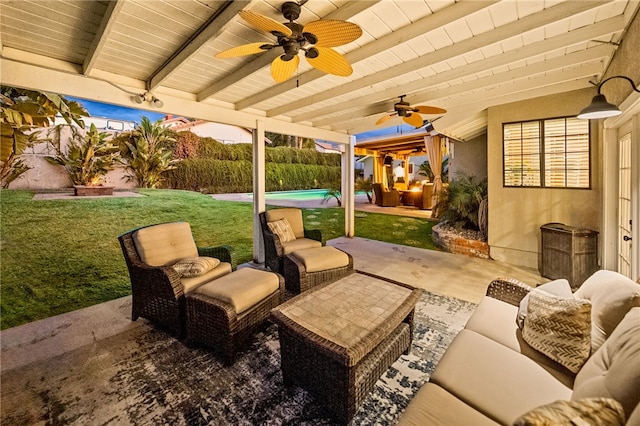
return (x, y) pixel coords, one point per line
(275, 247)
(385, 198)
(158, 290)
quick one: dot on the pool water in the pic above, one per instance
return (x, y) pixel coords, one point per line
(301, 195)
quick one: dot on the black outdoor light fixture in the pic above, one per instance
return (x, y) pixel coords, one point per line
(148, 97)
(599, 107)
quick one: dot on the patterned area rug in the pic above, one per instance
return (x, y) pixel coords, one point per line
(147, 377)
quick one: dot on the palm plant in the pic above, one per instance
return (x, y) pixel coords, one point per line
(333, 191)
(87, 158)
(366, 186)
(21, 111)
(148, 153)
(464, 198)
(426, 170)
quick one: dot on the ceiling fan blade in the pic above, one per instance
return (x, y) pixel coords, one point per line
(429, 109)
(245, 49)
(414, 119)
(332, 33)
(385, 118)
(264, 23)
(331, 62)
(283, 70)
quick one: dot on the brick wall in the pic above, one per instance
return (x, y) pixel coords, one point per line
(457, 244)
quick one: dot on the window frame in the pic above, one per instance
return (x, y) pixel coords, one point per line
(543, 155)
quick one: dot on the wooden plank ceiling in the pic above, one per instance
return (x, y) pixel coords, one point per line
(463, 56)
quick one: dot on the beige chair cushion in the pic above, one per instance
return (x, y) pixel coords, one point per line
(293, 216)
(611, 295)
(165, 244)
(559, 327)
(190, 284)
(242, 289)
(190, 267)
(433, 405)
(587, 411)
(495, 380)
(321, 258)
(299, 244)
(282, 229)
(496, 320)
(614, 370)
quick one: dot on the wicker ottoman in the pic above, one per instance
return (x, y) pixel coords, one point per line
(304, 269)
(224, 313)
(337, 339)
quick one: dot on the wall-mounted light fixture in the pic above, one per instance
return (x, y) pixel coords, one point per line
(599, 107)
(148, 97)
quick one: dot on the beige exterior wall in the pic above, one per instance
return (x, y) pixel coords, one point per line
(469, 157)
(516, 214)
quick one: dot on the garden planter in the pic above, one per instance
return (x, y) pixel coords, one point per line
(84, 191)
(466, 242)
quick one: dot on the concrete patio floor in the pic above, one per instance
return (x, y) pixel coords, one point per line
(443, 273)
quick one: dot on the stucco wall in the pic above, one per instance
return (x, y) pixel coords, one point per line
(516, 214)
(469, 157)
(46, 176)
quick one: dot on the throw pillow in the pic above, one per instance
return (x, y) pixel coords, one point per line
(282, 229)
(559, 327)
(190, 267)
(559, 287)
(582, 412)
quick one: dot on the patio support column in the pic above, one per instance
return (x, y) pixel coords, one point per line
(258, 190)
(348, 189)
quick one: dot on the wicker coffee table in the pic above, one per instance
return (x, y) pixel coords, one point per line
(337, 339)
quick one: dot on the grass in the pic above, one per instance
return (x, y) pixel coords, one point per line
(57, 256)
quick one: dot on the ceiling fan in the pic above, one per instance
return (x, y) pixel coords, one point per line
(410, 113)
(293, 37)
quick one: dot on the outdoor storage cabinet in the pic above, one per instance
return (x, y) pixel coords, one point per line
(568, 252)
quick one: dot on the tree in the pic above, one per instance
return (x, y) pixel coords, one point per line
(21, 112)
(87, 158)
(148, 152)
(366, 186)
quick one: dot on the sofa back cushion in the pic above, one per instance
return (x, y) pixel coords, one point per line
(165, 244)
(612, 295)
(293, 216)
(613, 371)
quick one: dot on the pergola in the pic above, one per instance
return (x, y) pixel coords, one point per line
(464, 56)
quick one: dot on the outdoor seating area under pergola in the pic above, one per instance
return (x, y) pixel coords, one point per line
(523, 309)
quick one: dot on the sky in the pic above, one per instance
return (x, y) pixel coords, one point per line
(99, 109)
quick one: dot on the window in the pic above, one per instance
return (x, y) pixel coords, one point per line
(553, 153)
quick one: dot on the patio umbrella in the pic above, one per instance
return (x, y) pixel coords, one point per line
(434, 151)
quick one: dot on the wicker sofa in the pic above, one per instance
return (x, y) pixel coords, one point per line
(490, 375)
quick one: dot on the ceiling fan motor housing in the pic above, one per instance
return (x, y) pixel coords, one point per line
(291, 10)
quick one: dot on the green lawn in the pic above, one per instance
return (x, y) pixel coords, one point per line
(61, 255)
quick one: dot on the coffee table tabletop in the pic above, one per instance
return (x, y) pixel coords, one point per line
(350, 316)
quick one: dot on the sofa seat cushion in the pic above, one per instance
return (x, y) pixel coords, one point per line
(613, 371)
(165, 244)
(242, 289)
(496, 320)
(433, 405)
(612, 295)
(190, 284)
(321, 258)
(299, 244)
(494, 379)
(293, 217)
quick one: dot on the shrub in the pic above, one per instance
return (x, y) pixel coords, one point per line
(463, 198)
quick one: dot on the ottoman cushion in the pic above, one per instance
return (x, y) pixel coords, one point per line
(321, 258)
(243, 288)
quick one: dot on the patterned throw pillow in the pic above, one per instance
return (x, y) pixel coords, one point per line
(559, 327)
(190, 267)
(560, 288)
(586, 411)
(282, 229)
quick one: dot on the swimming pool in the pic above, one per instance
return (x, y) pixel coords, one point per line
(300, 195)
